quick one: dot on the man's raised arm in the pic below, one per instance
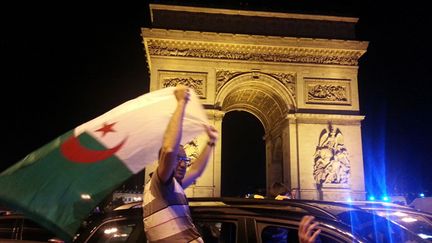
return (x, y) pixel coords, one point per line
(200, 163)
(172, 136)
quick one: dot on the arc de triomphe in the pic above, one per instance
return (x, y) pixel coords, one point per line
(296, 73)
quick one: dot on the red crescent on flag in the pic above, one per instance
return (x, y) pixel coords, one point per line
(73, 151)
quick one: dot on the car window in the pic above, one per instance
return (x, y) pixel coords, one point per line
(277, 234)
(376, 228)
(281, 234)
(119, 231)
(33, 231)
(8, 228)
(415, 223)
(217, 231)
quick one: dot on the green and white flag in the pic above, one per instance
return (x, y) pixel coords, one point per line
(59, 184)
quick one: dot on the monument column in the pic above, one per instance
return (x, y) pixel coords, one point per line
(215, 118)
(290, 153)
(268, 152)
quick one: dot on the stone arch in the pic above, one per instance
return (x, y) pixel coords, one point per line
(260, 94)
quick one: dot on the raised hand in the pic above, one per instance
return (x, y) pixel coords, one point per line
(182, 93)
(212, 133)
(307, 232)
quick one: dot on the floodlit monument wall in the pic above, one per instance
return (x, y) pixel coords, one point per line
(296, 73)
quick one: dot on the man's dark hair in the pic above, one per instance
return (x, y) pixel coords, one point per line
(278, 188)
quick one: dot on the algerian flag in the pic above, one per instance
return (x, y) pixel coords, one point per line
(59, 184)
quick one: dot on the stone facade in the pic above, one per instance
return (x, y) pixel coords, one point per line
(303, 90)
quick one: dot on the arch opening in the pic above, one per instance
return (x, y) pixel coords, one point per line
(262, 95)
(243, 155)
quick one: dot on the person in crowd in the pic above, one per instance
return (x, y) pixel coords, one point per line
(279, 191)
(166, 211)
(294, 192)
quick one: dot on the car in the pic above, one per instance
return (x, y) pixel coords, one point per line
(416, 221)
(253, 220)
(15, 227)
(422, 204)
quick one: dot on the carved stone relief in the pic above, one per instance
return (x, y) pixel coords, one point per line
(253, 53)
(223, 76)
(287, 79)
(196, 81)
(191, 149)
(331, 163)
(327, 91)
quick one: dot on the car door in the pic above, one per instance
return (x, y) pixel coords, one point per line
(217, 231)
(9, 227)
(219, 228)
(281, 231)
(33, 231)
(127, 230)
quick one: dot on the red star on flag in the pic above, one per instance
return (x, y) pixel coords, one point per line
(106, 128)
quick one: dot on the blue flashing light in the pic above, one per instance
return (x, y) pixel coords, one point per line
(371, 198)
(422, 195)
(349, 200)
(385, 198)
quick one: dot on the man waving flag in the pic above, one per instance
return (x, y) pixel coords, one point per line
(59, 184)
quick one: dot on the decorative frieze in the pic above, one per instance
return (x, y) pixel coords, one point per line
(307, 118)
(286, 79)
(191, 49)
(328, 91)
(223, 76)
(195, 80)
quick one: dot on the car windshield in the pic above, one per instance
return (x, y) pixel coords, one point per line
(414, 223)
(376, 228)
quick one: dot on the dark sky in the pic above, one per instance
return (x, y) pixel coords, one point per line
(64, 65)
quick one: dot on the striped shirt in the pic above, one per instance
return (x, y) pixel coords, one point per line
(166, 213)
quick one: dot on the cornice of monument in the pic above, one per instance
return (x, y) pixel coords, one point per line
(249, 13)
(210, 45)
(324, 118)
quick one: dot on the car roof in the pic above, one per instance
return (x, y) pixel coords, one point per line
(385, 206)
(12, 215)
(321, 209)
(18, 241)
(377, 204)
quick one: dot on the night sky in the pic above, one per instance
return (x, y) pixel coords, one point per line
(65, 65)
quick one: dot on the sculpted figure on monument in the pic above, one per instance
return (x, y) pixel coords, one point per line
(331, 163)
